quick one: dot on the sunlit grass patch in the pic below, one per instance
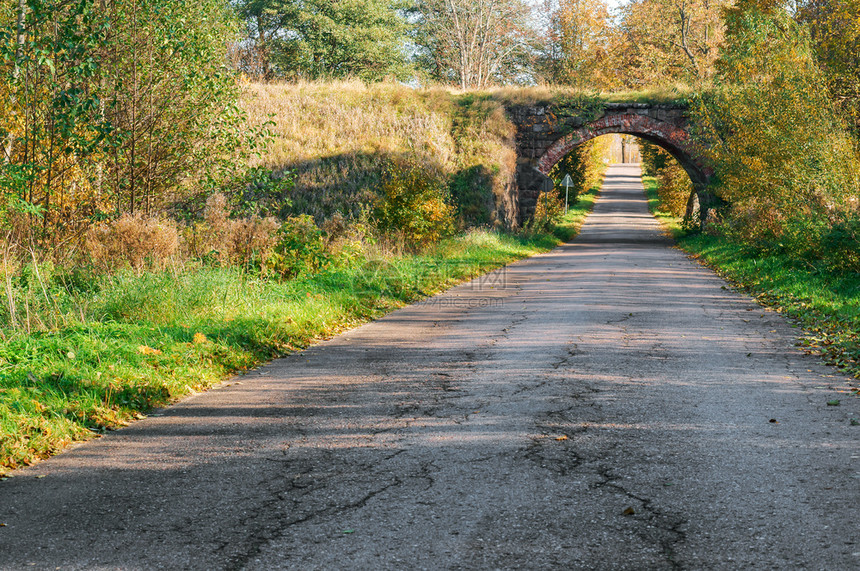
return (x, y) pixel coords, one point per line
(671, 222)
(672, 93)
(149, 339)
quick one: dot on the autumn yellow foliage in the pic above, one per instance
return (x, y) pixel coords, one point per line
(785, 165)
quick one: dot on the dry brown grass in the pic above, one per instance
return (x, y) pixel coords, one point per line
(538, 94)
(338, 137)
(316, 120)
(240, 242)
(134, 241)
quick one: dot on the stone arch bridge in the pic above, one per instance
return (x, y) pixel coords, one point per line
(547, 132)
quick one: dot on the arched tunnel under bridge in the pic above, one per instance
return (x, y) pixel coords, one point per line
(548, 132)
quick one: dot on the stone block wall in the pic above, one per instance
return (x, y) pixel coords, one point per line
(547, 132)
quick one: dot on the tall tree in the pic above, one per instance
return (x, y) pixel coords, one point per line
(475, 43)
(575, 49)
(835, 30)
(324, 38)
(671, 40)
(782, 158)
(111, 105)
(49, 120)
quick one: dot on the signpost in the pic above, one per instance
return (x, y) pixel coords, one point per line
(567, 181)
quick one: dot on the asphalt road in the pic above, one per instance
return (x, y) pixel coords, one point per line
(608, 405)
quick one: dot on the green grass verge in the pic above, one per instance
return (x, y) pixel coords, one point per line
(161, 336)
(824, 303)
(669, 221)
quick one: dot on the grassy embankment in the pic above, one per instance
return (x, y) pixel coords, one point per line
(825, 304)
(162, 336)
(338, 139)
(101, 349)
(148, 340)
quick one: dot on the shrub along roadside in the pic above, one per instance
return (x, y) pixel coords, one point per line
(166, 335)
(824, 302)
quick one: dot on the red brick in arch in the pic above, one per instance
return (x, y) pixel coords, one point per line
(545, 134)
(674, 139)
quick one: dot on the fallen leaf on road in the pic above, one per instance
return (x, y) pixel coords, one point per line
(834, 402)
(629, 511)
(854, 422)
(562, 437)
(349, 531)
(773, 421)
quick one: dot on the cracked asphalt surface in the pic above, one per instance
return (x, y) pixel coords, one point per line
(606, 405)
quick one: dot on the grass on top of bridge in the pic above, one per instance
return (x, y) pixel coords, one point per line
(669, 94)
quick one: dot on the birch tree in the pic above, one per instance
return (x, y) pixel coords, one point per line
(476, 43)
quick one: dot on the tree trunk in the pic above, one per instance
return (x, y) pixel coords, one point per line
(21, 36)
(261, 51)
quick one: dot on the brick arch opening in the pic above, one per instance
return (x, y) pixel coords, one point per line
(547, 131)
(675, 140)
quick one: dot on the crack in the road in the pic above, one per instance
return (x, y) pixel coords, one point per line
(670, 525)
(565, 360)
(624, 318)
(532, 387)
(554, 449)
(280, 524)
(505, 332)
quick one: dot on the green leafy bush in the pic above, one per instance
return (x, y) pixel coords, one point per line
(842, 244)
(674, 185)
(785, 164)
(413, 204)
(585, 166)
(548, 211)
(300, 248)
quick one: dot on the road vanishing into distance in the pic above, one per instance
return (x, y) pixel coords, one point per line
(608, 405)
